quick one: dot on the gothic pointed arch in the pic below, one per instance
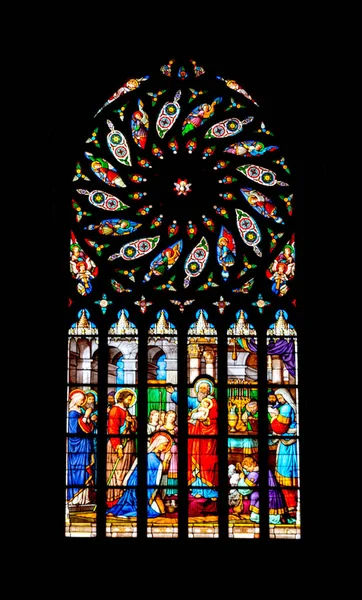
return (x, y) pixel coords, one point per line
(183, 398)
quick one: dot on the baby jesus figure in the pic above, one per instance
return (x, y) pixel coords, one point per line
(201, 412)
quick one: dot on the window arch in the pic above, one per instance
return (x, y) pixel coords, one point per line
(207, 235)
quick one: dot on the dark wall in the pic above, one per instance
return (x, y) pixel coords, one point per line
(277, 63)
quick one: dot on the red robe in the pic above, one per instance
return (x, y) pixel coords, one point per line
(202, 452)
(116, 420)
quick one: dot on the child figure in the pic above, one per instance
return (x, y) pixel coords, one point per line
(279, 279)
(161, 419)
(201, 412)
(84, 276)
(170, 471)
(170, 422)
(248, 486)
(225, 255)
(152, 421)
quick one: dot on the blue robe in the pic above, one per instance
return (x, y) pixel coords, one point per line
(127, 504)
(225, 256)
(286, 468)
(80, 456)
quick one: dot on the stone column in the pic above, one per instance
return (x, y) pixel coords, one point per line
(269, 367)
(171, 370)
(84, 368)
(194, 353)
(286, 376)
(112, 374)
(130, 365)
(170, 349)
(277, 370)
(210, 357)
(237, 368)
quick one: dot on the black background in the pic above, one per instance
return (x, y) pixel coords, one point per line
(283, 61)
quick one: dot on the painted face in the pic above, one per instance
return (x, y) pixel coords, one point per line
(162, 447)
(90, 400)
(249, 464)
(78, 399)
(252, 407)
(154, 418)
(204, 388)
(127, 400)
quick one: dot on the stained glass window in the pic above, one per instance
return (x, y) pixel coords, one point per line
(122, 425)
(182, 392)
(82, 411)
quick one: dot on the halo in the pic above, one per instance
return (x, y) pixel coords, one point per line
(162, 433)
(210, 403)
(132, 392)
(77, 391)
(222, 237)
(208, 381)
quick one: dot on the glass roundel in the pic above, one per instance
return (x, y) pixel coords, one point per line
(182, 187)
